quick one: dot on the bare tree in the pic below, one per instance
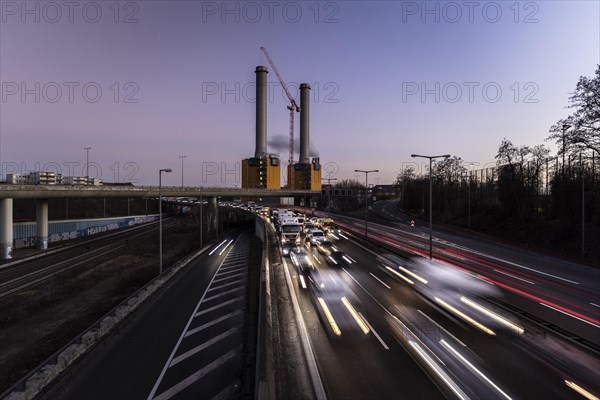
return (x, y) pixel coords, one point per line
(584, 133)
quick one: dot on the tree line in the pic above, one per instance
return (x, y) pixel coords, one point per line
(528, 185)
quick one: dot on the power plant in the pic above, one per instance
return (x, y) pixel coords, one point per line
(263, 171)
(306, 173)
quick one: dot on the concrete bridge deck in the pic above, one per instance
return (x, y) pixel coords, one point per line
(72, 191)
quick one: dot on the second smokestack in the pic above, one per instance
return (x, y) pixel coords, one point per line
(304, 123)
(261, 111)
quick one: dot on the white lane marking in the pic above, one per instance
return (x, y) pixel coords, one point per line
(232, 267)
(230, 277)
(236, 260)
(570, 315)
(227, 284)
(311, 362)
(226, 246)
(203, 346)
(461, 395)
(380, 281)
(457, 246)
(595, 305)
(223, 294)
(215, 249)
(442, 328)
(367, 292)
(213, 322)
(466, 362)
(385, 346)
(219, 306)
(515, 264)
(353, 260)
(166, 366)
(516, 277)
(198, 374)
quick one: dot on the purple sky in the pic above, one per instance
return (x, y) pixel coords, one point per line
(368, 63)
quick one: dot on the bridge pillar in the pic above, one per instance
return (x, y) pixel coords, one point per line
(41, 224)
(6, 228)
(213, 217)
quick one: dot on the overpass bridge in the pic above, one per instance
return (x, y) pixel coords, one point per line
(63, 191)
(44, 192)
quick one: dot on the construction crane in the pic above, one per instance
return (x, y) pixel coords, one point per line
(293, 107)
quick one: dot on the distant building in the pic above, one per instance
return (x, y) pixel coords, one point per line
(17, 179)
(75, 180)
(45, 178)
(50, 178)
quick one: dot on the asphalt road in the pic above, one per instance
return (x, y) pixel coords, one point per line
(559, 292)
(186, 342)
(385, 365)
(183, 344)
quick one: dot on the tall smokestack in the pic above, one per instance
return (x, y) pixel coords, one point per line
(304, 123)
(261, 111)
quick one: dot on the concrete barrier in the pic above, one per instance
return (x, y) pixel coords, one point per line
(16, 396)
(70, 354)
(106, 325)
(89, 338)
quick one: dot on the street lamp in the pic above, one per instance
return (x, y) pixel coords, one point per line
(201, 222)
(160, 171)
(366, 195)
(469, 189)
(87, 161)
(564, 130)
(182, 157)
(329, 192)
(431, 158)
(582, 206)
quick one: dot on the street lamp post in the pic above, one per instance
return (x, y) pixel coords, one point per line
(469, 189)
(87, 161)
(160, 262)
(582, 206)
(431, 158)
(366, 196)
(564, 130)
(329, 192)
(182, 157)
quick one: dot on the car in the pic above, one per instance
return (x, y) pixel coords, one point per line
(305, 268)
(288, 247)
(315, 236)
(326, 247)
(338, 307)
(308, 226)
(338, 259)
(300, 251)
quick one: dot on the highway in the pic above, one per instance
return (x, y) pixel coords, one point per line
(413, 341)
(392, 335)
(186, 343)
(558, 292)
